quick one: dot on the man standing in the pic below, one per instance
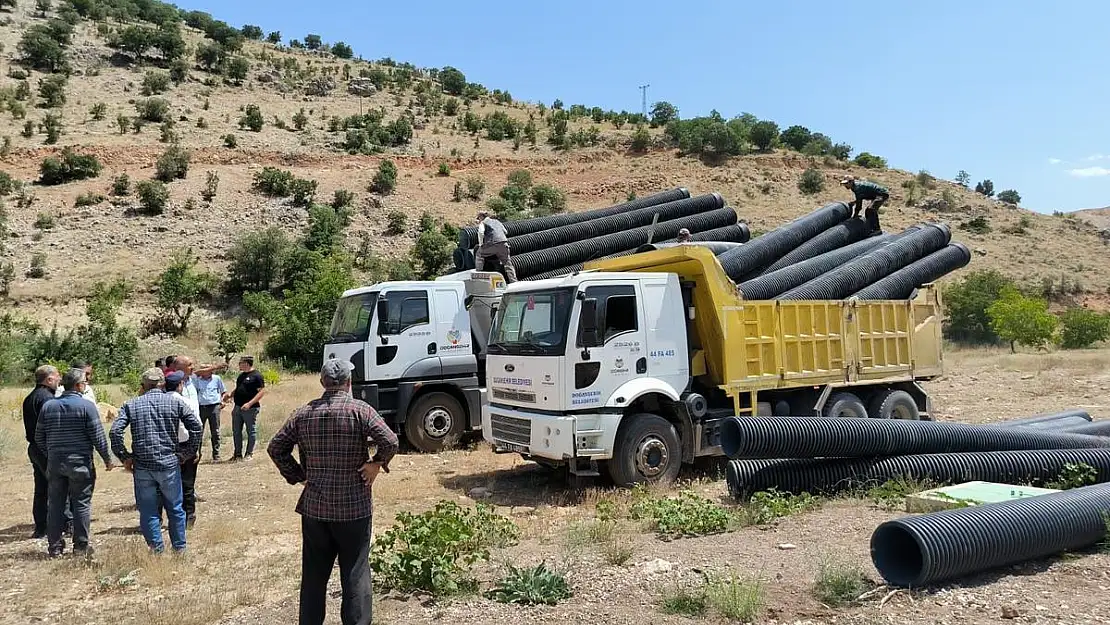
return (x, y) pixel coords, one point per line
(867, 190)
(210, 391)
(175, 381)
(493, 240)
(154, 418)
(68, 430)
(332, 434)
(46, 384)
(249, 389)
(88, 393)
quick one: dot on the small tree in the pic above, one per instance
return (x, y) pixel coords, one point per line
(52, 126)
(236, 69)
(42, 6)
(274, 37)
(181, 288)
(173, 164)
(868, 160)
(342, 50)
(663, 113)
(52, 90)
(257, 261)
(210, 56)
(261, 308)
(386, 179)
(1020, 319)
(41, 50)
(641, 140)
(211, 185)
(1082, 328)
(154, 110)
(303, 191)
(811, 182)
(231, 339)
(763, 134)
(313, 42)
(98, 111)
(985, 187)
(300, 120)
(121, 185)
(431, 253)
(545, 199)
(966, 303)
(1009, 196)
(796, 137)
(153, 196)
(963, 178)
(452, 80)
(254, 33)
(252, 118)
(155, 83)
(396, 223)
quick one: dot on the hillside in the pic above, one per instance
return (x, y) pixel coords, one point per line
(1098, 217)
(104, 240)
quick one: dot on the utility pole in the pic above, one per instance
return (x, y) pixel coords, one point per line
(643, 98)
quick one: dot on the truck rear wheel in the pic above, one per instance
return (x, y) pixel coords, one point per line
(844, 405)
(435, 421)
(894, 404)
(647, 450)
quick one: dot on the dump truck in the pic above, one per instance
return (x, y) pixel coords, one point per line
(629, 366)
(418, 352)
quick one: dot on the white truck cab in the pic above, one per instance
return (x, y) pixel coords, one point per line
(416, 348)
(568, 359)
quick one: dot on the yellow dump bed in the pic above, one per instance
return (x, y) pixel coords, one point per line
(747, 346)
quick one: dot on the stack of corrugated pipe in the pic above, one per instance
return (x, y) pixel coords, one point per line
(831, 455)
(559, 244)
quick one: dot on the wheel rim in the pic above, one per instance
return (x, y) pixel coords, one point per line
(652, 456)
(901, 411)
(437, 422)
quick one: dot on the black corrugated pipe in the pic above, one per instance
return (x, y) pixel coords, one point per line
(717, 247)
(737, 233)
(902, 283)
(873, 266)
(468, 236)
(1073, 416)
(823, 437)
(921, 550)
(615, 223)
(834, 238)
(766, 249)
(540, 261)
(778, 282)
(831, 475)
(1097, 428)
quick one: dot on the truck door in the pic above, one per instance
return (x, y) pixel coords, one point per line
(620, 357)
(452, 337)
(405, 345)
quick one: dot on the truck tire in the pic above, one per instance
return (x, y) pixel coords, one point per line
(844, 405)
(894, 404)
(434, 422)
(647, 449)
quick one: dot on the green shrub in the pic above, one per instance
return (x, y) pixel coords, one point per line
(252, 32)
(736, 598)
(663, 113)
(17, 110)
(300, 120)
(985, 187)
(98, 111)
(444, 169)
(124, 123)
(475, 188)
(41, 49)
(763, 134)
(385, 181)
(1023, 320)
(71, 166)
(977, 225)
(121, 185)
(155, 110)
(531, 586)
(685, 599)
(153, 196)
(231, 141)
(434, 551)
(257, 261)
(396, 222)
(870, 161)
(1082, 328)
(155, 82)
(52, 126)
(273, 182)
(766, 506)
(89, 199)
(545, 199)
(210, 56)
(303, 191)
(211, 186)
(45, 221)
(811, 182)
(172, 165)
(7, 185)
(839, 584)
(52, 90)
(252, 119)
(182, 287)
(641, 140)
(179, 71)
(966, 303)
(963, 178)
(796, 137)
(37, 269)
(431, 253)
(1009, 196)
(342, 50)
(236, 69)
(687, 514)
(342, 199)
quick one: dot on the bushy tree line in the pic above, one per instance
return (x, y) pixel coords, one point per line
(987, 308)
(520, 198)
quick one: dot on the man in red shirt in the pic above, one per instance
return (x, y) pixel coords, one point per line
(332, 435)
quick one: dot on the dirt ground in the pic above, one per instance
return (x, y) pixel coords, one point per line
(243, 561)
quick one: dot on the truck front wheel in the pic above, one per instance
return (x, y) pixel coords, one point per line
(647, 449)
(434, 422)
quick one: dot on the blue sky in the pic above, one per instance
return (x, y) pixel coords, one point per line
(1017, 92)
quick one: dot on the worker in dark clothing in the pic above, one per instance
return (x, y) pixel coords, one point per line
(867, 190)
(47, 379)
(683, 235)
(493, 241)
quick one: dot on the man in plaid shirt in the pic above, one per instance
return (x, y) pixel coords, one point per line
(333, 434)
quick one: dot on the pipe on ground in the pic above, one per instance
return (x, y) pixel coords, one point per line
(615, 223)
(832, 475)
(873, 266)
(1097, 428)
(824, 437)
(902, 283)
(921, 550)
(770, 285)
(468, 236)
(1073, 416)
(765, 250)
(540, 261)
(834, 238)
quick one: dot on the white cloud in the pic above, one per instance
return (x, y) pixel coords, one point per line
(1096, 157)
(1054, 161)
(1090, 172)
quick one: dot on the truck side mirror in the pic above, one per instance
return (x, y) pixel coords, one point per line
(383, 317)
(589, 322)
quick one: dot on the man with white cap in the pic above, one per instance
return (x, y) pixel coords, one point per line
(684, 235)
(154, 418)
(332, 435)
(867, 190)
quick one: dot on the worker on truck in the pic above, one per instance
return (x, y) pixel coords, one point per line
(493, 240)
(684, 235)
(867, 190)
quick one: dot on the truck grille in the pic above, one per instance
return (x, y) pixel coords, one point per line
(511, 429)
(511, 395)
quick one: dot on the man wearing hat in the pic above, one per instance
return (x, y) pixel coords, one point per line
(332, 435)
(684, 235)
(867, 190)
(493, 240)
(175, 383)
(154, 418)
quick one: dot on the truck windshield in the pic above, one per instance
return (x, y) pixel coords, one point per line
(534, 322)
(351, 323)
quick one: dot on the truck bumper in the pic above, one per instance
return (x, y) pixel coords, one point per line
(552, 437)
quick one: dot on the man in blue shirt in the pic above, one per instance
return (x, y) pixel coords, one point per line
(153, 418)
(210, 391)
(67, 431)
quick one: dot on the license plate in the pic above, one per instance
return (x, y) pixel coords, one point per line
(520, 449)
